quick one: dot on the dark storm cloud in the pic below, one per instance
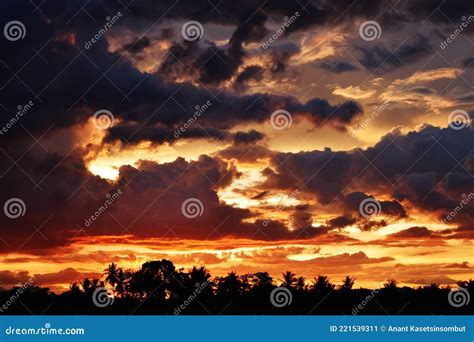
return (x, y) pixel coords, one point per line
(312, 13)
(337, 67)
(253, 72)
(147, 201)
(249, 137)
(244, 153)
(381, 58)
(225, 112)
(438, 11)
(280, 55)
(341, 221)
(468, 62)
(413, 232)
(138, 45)
(422, 90)
(68, 82)
(214, 64)
(134, 133)
(67, 86)
(391, 208)
(424, 168)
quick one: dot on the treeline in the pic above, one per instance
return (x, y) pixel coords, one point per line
(159, 288)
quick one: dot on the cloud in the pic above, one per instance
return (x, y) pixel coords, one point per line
(249, 137)
(354, 92)
(413, 233)
(425, 76)
(337, 67)
(381, 59)
(413, 166)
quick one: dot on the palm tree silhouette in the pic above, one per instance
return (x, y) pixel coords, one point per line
(112, 275)
(74, 288)
(158, 288)
(289, 278)
(230, 285)
(300, 284)
(262, 279)
(348, 283)
(199, 275)
(322, 286)
(390, 284)
(122, 281)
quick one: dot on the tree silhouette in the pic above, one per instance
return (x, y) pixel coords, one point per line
(159, 288)
(229, 286)
(289, 279)
(348, 283)
(112, 275)
(322, 286)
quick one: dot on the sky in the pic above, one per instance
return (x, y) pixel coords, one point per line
(322, 137)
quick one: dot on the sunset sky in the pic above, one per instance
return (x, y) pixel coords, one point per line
(321, 137)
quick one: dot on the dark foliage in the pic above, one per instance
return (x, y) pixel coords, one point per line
(159, 288)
